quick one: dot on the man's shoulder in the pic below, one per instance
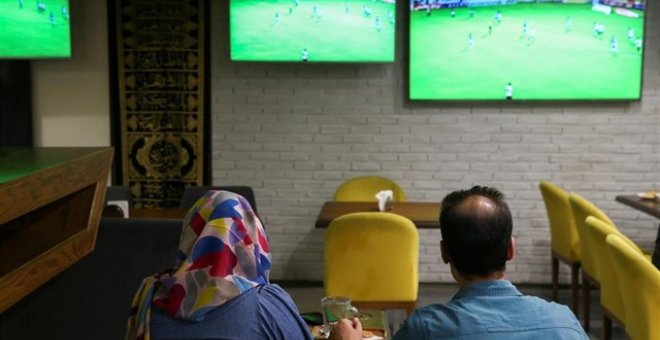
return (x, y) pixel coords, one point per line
(473, 317)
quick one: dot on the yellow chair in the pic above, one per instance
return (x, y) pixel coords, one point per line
(364, 189)
(372, 257)
(610, 291)
(564, 239)
(581, 209)
(639, 281)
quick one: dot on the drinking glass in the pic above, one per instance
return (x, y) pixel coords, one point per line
(336, 308)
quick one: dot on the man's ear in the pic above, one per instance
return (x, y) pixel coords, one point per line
(511, 250)
(443, 252)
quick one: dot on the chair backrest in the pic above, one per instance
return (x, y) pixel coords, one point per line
(639, 281)
(192, 194)
(581, 209)
(365, 188)
(372, 256)
(610, 291)
(119, 193)
(564, 237)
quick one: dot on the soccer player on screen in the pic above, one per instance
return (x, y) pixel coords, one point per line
(304, 55)
(508, 91)
(470, 40)
(601, 30)
(531, 36)
(638, 44)
(51, 17)
(490, 27)
(498, 17)
(20, 4)
(366, 11)
(631, 34)
(568, 25)
(471, 13)
(614, 46)
(523, 31)
(377, 23)
(390, 16)
(277, 18)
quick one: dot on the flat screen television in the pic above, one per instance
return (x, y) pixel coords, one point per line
(34, 29)
(525, 50)
(312, 30)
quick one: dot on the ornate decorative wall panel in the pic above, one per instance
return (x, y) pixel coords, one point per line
(160, 66)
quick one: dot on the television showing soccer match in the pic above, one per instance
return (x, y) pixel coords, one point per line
(526, 50)
(34, 29)
(312, 30)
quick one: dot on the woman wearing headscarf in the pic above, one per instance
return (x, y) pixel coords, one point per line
(218, 287)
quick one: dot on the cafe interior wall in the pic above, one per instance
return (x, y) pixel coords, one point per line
(294, 132)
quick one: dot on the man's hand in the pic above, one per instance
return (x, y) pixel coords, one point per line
(346, 329)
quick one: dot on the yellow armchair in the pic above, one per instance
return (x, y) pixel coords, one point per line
(364, 189)
(372, 257)
(564, 239)
(581, 209)
(639, 281)
(610, 291)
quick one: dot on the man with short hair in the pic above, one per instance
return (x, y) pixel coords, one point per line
(476, 243)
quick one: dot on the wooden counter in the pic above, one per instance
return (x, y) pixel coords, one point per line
(50, 208)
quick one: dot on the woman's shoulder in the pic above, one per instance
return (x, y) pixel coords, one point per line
(273, 293)
(279, 314)
(271, 289)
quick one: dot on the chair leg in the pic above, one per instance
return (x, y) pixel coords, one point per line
(586, 301)
(410, 308)
(575, 283)
(607, 328)
(555, 278)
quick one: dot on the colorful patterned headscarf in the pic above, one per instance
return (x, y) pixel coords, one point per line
(223, 252)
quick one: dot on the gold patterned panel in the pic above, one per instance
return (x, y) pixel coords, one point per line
(161, 97)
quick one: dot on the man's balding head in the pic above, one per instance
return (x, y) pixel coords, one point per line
(476, 230)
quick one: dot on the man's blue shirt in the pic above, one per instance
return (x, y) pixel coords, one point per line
(492, 310)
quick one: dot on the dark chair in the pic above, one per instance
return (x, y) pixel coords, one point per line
(91, 299)
(192, 194)
(118, 193)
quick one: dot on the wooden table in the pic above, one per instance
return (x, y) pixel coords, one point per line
(651, 207)
(425, 215)
(374, 320)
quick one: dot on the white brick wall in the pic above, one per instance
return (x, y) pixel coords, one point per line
(294, 132)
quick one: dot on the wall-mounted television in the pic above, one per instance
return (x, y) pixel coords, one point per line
(34, 29)
(525, 50)
(312, 30)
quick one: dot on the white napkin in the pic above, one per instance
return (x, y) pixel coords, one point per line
(383, 197)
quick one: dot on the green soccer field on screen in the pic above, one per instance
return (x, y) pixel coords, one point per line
(530, 51)
(312, 30)
(34, 29)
